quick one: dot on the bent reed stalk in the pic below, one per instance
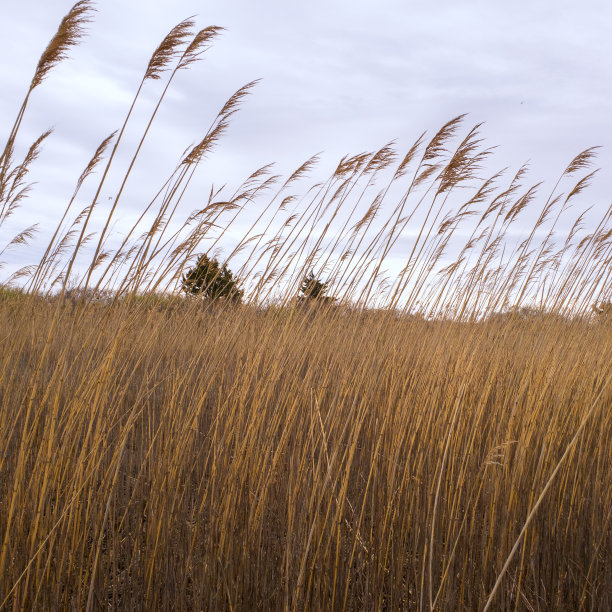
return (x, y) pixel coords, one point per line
(438, 436)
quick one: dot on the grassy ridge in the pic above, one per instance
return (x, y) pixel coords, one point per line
(423, 441)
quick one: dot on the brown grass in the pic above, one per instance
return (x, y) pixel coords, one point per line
(235, 458)
(438, 437)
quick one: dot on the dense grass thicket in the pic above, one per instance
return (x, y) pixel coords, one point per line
(433, 437)
(244, 459)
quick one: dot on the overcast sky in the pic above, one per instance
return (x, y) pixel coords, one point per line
(337, 77)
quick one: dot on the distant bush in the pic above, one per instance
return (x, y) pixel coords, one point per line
(210, 280)
(313, 290)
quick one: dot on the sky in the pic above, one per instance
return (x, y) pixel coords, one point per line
(336, 77)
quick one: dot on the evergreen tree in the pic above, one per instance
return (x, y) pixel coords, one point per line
(210, 280)
(313, 290)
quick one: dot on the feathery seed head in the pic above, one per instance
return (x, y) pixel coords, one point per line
(403, 167)
(582, 160)
(445, 133)
(169, 48)
(95, 160)
(199, 45)
(69, 33)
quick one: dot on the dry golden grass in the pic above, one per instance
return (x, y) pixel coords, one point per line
(244, 459)
(448, 449)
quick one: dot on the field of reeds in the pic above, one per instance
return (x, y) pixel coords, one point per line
(436, 435)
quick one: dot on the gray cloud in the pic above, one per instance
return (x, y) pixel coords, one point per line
(340, 77)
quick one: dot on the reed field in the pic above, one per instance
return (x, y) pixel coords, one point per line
(431, 432)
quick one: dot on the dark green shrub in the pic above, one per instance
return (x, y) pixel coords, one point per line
(210, 280)
(313, 291)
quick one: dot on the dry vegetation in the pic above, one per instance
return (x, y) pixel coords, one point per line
(450, 448)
